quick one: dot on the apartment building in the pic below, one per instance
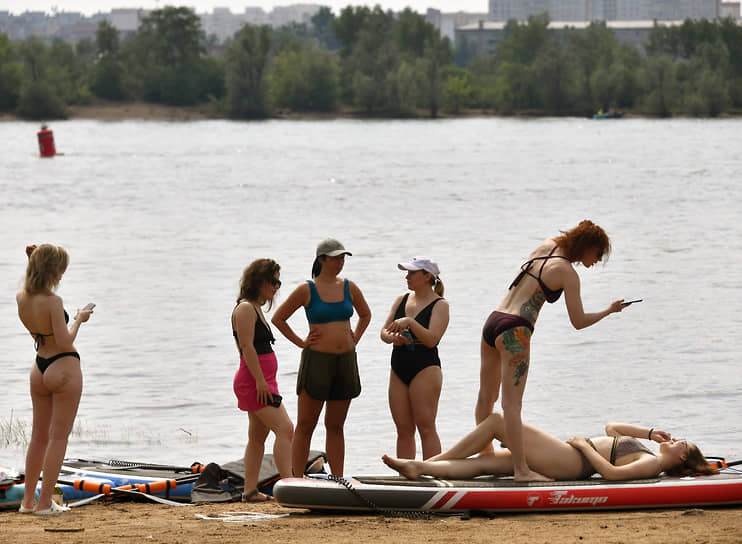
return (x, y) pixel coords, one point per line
(605, 10)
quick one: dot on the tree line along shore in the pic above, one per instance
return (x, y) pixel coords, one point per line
(365, 62)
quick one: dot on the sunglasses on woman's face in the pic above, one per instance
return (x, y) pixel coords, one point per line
(275, 282)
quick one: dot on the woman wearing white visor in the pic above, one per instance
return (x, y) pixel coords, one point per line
(415, 325)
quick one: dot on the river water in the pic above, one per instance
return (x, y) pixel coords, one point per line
(160, 218)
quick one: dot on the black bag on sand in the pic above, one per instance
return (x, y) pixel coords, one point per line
(226, 483)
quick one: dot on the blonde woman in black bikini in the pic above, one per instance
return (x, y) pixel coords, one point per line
(56, 378)
(617, 456)
(506, 336)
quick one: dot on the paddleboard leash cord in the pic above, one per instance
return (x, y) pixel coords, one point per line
(411, 514)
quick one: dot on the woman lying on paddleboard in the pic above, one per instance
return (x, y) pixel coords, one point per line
(617, 456)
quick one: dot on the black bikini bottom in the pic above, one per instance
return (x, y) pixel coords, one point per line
(44, 363)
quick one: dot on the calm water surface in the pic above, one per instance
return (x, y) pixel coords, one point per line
(160, 218)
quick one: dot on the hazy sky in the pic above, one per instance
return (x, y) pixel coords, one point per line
(93, 6)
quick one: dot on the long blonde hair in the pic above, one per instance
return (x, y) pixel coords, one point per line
(46, 264)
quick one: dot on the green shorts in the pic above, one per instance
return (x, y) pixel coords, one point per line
(329, 376)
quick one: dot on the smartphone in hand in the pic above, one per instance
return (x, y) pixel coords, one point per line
(88, 306)
(630, 302)
(276, 400)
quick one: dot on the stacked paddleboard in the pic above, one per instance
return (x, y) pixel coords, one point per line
(81, 479)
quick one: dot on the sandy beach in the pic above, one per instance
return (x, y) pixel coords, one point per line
(144, 522)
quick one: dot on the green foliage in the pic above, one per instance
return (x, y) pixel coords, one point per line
(45, 83)
(457, 91)
(165, 55)
(175, 35)
(246, 73)
(381, 63)
(437, 56)
(107, 39)
(373, 57)
(304, 80)
(38, 100)
(660, 86)
(323, 29)
(107, 81)
(588, 52)
(524, 41)
(107, 74)
(412, 33)
(401, 91)
(555, 79)
(513, 88)
(11, 75)
(348, 26)
(465, 51)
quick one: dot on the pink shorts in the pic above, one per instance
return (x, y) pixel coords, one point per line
(245, 387)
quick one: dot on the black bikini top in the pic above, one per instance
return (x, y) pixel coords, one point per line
(550, 295)
(40, 340)
(262, 338)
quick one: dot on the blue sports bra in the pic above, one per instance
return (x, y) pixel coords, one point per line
(319, 312)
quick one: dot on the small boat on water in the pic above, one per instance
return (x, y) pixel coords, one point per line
(610, 114)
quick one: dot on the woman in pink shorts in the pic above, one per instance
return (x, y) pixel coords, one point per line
(255, 381)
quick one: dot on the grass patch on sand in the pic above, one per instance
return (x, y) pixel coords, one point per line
(14, 432)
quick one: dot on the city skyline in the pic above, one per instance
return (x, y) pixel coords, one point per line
(89, 7)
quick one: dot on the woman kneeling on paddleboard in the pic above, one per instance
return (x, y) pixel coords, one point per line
(255, 381)
(616, 456)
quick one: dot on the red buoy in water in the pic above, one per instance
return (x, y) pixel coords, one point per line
(46, 142)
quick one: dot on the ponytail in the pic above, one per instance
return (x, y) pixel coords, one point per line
(316, 267)
(438, 287)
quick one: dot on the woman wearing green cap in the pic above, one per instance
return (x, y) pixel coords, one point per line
(328, 373)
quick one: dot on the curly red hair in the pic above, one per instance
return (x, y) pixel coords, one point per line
(584, 237)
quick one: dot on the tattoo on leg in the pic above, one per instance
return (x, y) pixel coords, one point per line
(521, 368)
(517, 341)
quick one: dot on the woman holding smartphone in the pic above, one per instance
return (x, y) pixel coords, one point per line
(56, 377)
(506, 336)
(255, 382)
(328, 372)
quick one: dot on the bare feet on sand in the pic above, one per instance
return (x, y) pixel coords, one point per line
(409, 468)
